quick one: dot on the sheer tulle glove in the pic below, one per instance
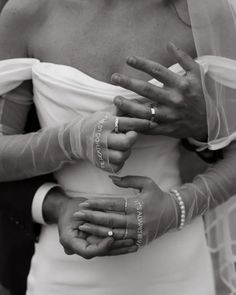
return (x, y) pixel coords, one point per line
(90, 138)
(145, 217)
(105, 140)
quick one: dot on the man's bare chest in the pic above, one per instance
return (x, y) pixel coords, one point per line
(99, 45)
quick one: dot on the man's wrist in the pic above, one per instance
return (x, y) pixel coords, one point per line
(52, 205)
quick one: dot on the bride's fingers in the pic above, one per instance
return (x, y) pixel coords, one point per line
(106, 219)
(118, 157)
(105, 204)
(133, 124)
(136, 182)
(104, 231)
(122, 141)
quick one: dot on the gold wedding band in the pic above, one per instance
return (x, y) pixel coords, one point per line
(117, 125)
(153, 114)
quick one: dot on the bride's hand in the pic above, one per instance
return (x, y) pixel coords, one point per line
(143, 218)
(83, 244)
(104, 139)
(179, 106)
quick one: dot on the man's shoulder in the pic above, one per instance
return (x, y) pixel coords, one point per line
(23, 10)
(17, 22)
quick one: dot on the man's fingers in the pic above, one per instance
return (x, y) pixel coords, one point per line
(133, 124)
(145, 89)
(185, 60)
(88, 251)
(136, 182)
(133, 108)
(111, 220)
(163, 113)
(68, 251)
(102, 231)
(154, 69)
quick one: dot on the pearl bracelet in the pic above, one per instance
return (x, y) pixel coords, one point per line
(181, 204)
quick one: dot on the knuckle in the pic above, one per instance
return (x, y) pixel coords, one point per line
(126, 82)
(147, 112)
(184, 85)
(173, 116)
(156, 69)
(177, 99)
(67, 251)
(147, 89)
(110, 223)
(86, 256)
(63, 241)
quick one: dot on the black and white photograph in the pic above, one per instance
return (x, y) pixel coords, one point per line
(117, 147)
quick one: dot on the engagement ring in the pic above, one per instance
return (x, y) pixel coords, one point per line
(110, 233)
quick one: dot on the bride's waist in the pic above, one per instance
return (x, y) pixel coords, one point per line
(84, 177)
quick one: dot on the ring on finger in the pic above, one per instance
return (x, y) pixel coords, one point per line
(153, 114)
(125, 234)
(110, 233)
(126, 205)
(116, 125)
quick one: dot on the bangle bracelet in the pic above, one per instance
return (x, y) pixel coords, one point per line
(181, 205)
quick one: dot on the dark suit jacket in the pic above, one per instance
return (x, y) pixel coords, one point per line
(17, 230)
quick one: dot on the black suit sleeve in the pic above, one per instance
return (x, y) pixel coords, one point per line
(17, 196)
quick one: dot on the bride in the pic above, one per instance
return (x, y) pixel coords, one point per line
(69, 49)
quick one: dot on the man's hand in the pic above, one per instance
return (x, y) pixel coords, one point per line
(179, 106)
(59, 208)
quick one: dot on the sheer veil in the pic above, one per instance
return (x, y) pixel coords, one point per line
(214, 28)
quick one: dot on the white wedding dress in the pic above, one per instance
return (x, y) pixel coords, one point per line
(177, 263)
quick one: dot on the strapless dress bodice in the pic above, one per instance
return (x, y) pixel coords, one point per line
(62, 93)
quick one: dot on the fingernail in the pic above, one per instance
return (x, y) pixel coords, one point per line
(117, 101)
(115, 178)
(131, 60)
(153, 125)
(79, 214)
(84, 227)
(84, 204)
(115, 78)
